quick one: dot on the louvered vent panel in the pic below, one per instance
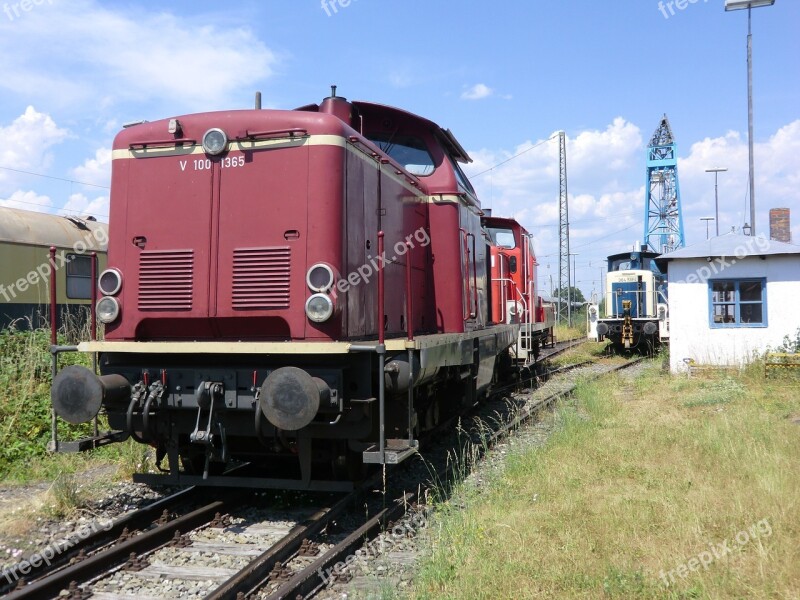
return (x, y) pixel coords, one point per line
(261, 277)
(166, 279)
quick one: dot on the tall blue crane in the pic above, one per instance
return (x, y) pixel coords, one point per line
(663, 220)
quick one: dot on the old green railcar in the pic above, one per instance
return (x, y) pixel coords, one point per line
(25, 265)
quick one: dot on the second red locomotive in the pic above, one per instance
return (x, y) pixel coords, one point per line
(303, 290)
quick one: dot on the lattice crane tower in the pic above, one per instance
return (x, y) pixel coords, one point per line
(663, 220)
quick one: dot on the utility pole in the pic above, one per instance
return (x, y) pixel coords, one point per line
(564, 279)
(716, 171)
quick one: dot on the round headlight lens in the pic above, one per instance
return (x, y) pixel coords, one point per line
(320, 277)
(319, 308)
(110, 282)
(215, 141)
(107, 309)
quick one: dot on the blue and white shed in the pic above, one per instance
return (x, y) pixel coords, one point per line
(731, 297)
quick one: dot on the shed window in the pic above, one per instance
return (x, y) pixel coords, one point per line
(738, 303)
(79, 277)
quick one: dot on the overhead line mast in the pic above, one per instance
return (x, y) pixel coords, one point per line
(564, 279)
(663, 219)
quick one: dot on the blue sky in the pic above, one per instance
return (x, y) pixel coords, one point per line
(503, 76)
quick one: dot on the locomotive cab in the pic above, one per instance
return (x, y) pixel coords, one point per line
(633, 312)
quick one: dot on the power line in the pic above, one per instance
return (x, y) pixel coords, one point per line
(513, 157)
(104, 187)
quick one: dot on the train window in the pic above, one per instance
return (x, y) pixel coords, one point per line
(503, 238)
(409, 151)
(79, 277)
(621, 265)
(461, 177)
(738, 303)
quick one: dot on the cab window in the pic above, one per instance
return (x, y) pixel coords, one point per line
(407, 150)
(504, 238)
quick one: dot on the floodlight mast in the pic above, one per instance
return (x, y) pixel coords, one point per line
(749, 5)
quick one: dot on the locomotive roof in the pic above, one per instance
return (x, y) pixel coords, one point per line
(628, 254)
(41, 229)
(447, 138)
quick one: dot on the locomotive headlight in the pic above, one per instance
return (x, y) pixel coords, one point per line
(110, 282)
(107, 309)
(319, 308)
(320, 278)
(215, 141)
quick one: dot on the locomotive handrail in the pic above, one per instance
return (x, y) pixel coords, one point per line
(384, 159)
(381, 350)
(640, 302)
(165, 143)
(92, 309)
(271, 133)
(409, 296)
(474, 312)
(520, 295)
(470, 295)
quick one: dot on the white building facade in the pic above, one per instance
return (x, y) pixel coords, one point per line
(731, 298)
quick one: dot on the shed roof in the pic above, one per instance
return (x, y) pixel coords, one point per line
(731, 244)
(42, 229)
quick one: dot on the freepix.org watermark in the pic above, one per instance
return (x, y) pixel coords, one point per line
(46, 556)
(366, 271)
(331, 7)
(754, 245)
(668, 8)
(43, 271)
(717, 551)
(378, 546)
(15, 10)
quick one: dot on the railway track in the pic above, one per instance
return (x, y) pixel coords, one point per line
(213, 551)
(506, 415)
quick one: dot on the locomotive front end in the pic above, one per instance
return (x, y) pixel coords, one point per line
(240, 298)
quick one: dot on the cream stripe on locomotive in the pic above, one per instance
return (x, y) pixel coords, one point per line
(294, 142)
(249, 145)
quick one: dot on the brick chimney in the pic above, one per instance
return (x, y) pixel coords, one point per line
(779, 226)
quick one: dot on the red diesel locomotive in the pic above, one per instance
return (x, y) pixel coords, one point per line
(305, 291)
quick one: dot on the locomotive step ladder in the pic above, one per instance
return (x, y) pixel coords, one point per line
(396, 451)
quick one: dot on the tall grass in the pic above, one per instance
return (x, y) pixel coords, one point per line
(638, 478)
(25, 378)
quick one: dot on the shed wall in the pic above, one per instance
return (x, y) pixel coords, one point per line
(691, 333)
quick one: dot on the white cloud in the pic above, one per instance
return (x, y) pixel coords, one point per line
(26, 142)
(477, 92)
(82, 206)
(95, 170)
(84, 53)
(777, 168)
(606, 193)
(27, 201)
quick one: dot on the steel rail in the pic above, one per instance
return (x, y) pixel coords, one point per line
(310, 579)
(256, 574)
(142, 543)
(140, 519)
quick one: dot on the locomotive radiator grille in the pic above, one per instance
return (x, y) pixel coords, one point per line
(261, 277)
(166, 279)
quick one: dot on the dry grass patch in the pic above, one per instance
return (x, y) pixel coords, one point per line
(641, 477)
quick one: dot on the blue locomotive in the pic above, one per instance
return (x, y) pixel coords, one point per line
(633, 313)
